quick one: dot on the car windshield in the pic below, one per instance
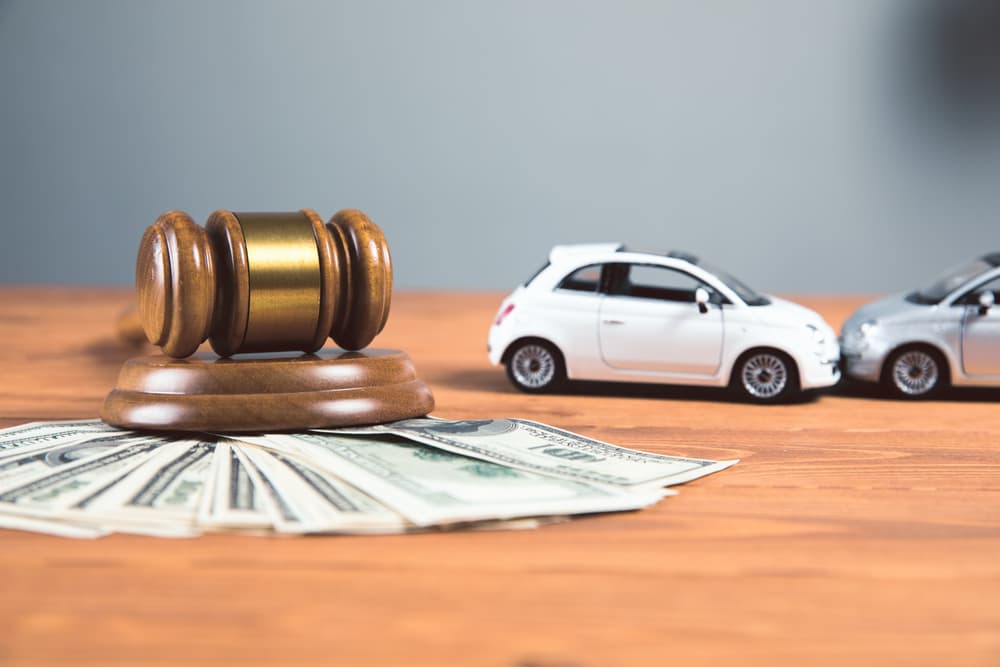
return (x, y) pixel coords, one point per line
(950, 281)
(748, 295)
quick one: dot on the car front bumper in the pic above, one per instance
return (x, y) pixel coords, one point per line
(863, 361)
(861, 366)
(820, 373)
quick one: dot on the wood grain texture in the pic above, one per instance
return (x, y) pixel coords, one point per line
(232, 293)
(175, 284)
(262, 282)
(330, 282)
(856, 530)
(270, 392)
(367, 278)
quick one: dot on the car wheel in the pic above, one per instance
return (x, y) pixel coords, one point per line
(535, 366)
(765, 376)
(914, 372)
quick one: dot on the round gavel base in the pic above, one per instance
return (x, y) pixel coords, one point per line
(274, 392)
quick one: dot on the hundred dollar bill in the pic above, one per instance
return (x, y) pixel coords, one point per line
(539, 448)
(52, 492)
(162, 494)
(430, 486)
(321, 502)
(59, 528)
(24, 437)
(30, 460)
(288, 515)
(286, 520)
(232, 499)
(283, 517)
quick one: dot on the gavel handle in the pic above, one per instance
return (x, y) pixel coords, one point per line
(129, 327)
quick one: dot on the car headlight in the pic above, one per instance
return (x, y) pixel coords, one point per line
(857, 337)
(817, 334)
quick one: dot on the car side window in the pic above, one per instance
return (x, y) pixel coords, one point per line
(649, 281)
(971, 298)
(584, 279)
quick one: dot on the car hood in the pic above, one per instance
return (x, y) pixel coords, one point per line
(781, 312)
(894, 306)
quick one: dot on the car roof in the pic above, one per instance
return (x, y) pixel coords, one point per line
(566, 258)
(560, 253)
(601, 251)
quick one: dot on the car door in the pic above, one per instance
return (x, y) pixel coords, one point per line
(650, 322)
(981, 334)
(571, 311)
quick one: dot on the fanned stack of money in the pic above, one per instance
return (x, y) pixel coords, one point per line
(87, 479)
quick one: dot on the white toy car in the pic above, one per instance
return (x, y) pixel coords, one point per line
(917, 343)
(599, 312)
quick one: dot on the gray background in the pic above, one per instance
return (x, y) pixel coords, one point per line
(830, 145)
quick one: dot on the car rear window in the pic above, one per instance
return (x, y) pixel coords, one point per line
(584, 279)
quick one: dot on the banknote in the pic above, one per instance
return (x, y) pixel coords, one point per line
(34, 435)
(319, 501)
(287, 521)
(53, 492)
(49, 527)
(161, 495)
(66, 451)
(231, 498)
(284, 516)
(431, 486)
(85, 479)
(543, 449)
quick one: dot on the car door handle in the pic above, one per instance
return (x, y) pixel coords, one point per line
(614, 321)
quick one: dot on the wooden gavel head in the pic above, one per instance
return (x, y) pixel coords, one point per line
(262, 282)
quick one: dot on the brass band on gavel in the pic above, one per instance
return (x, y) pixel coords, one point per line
(263, 282)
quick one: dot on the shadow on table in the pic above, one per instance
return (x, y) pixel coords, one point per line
(854, 389)
(493, 380)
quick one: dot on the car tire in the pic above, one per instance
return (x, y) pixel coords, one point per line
(915, 372)
(535, 366)
(765, 376)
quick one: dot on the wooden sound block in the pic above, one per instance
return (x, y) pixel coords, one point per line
(272, 392)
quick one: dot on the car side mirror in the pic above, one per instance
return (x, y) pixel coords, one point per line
(986, 301)
(701, 297)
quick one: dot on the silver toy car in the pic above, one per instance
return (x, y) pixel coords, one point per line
(917, 343)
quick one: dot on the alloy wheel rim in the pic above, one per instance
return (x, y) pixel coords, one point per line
(765, 375)
(533, 366)
(915, 373)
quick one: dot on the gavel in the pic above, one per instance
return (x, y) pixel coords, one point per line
(262, 282)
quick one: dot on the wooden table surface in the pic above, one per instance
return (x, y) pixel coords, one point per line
(856, 530)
